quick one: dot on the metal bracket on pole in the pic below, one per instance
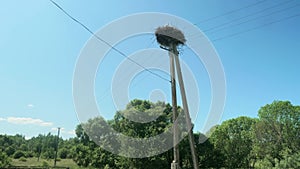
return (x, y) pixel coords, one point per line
(164, 48)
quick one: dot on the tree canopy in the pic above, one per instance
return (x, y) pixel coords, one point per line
(272, 140)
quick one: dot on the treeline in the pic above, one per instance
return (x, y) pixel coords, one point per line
(270, 141)
(42, 146)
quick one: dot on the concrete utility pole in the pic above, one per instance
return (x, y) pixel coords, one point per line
(56, 150)
(175, 163)
(169, 38)
(186, 111)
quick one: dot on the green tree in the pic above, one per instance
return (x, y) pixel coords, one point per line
(209, 157)
(35, 145)
(4, 160)
(81, 134)
(41, 146)
(63, 153)
(10, 150)
(18, 154)
(289, 161)
(102, 158)
(234, 140)
(144, 130)
(83, 155)
(99, 130)
(277, 131)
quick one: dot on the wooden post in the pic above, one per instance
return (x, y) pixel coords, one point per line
(57, 140)
(186, 109)
(175, 163)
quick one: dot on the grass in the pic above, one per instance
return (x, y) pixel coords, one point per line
(34, 162)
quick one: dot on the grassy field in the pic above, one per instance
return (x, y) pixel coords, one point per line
(34, 162)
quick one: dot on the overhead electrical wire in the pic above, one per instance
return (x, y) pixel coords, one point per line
(106, 91)
(246, 16)
(230, 12)
(257, 27)
(212, 29)
(288, 17)
(206, 20)
(108, 44)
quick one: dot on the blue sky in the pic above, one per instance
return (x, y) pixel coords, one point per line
(39, 47)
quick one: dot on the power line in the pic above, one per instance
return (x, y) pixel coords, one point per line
(211, 18)
(230, 12)
(105, 93)
(105, 42)
(258, 17)
(252, 19)
(246, 21)
(252, 14)
(257, 27)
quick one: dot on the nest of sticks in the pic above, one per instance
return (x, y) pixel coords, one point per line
(168, 36)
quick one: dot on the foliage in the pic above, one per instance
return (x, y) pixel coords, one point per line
(270, 141)
(23, 159)
(63, 153)
(10, 150)
(83, 155)
(234, 140)
(4, 160)
(277, 131)
(34, 162)
(45, 164)
(288, 161)
(18, 154)
(209, 157)
(89, 154)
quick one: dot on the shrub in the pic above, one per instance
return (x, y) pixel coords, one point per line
(18, 154)
(23, 159)
(63, 153)
(4, 160)
(10, 151)
(29, 154)
(45, 164)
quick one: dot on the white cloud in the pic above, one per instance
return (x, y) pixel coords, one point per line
(27, 137)
(30, 105)
(2, 119)
(71, 132)
(28, 120)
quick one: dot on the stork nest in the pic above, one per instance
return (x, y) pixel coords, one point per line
(168, 36)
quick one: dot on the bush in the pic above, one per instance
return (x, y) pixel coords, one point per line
(23, 159)
(4, 160)
(49, 153)
(29, 154)
(45, 164)
(18, 154)
(63, 153)
(10, 151)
